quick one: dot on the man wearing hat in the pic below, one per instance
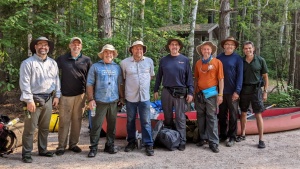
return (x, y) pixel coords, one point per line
(138, 71)
(103, 87)
(38, 78)
(208, 74)
(233, 78)
(74, 68)
(175, 74)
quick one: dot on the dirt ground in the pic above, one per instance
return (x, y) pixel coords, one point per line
(282, 152)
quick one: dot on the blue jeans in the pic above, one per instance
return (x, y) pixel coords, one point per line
(143, 108)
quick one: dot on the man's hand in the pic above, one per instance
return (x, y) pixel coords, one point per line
(189, 98)
(155, 95)
(265, 96)
(31, 107)
(55, 102)
(219, 100)
(235, 96)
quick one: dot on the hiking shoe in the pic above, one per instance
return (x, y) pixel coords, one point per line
(149, 151)
(214, 148)
(75, 149)
(27, 159)
(200, 143)
(230, 143)
(92, 153)
(60, 152)
(240, 138)
(111, 149)
(181, 147)
(129, 147)
(261, 144)
(47, 154)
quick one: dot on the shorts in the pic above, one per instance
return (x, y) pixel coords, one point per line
(255, 99)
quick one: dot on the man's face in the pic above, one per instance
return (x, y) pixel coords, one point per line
(108, 56)
(206, 51)
(137, 51)
(174, 47)
(42, 47)
(229, 47)
(248, 50)
(75, 47)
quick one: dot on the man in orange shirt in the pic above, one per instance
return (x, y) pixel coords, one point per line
(209, 84)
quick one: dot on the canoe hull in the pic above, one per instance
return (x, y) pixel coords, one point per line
(275, 120)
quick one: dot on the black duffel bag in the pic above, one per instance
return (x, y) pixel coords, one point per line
(178, 92)
(41, 99)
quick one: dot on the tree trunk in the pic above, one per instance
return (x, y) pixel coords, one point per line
(170, 12)
(182, 11)
(258, 28)
(29, 35)
(104, 22)
(234, 20)
(142, 19)
(193, 18)
(295, 49)
(224, 22)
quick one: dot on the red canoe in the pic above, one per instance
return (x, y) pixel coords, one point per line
(275, 120)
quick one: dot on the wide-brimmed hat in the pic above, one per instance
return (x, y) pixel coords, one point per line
(138, 42)
(230, 38)
(34, 42)
(209, 43)
(108, 47)
(174, 39)
(75, 38)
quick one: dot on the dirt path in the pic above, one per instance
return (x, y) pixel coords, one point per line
(282, 151)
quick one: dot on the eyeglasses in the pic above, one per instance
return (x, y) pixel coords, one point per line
(42, 45)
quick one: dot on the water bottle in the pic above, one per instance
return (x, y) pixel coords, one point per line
(93, 111)
(13, 122)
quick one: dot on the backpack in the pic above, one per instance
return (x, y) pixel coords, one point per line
(169, 138)
(8, 139)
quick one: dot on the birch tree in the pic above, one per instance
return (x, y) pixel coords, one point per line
(192, 30)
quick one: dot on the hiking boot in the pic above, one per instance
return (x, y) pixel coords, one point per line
(75, 149)
(200, 143)
(60, 152)
(47, 154)
(181, 147)
(230, 143)
(240, 138)
(129, 147)
(261, 144)
(27, 159)
(149, 151)
(214, 148)
(111, 149)
(92, 153)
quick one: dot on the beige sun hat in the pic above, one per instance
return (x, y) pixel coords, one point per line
(75, 38)
(138, 42)
(108, 47)
(209, 43)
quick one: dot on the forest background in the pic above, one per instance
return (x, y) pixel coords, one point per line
(273, 25)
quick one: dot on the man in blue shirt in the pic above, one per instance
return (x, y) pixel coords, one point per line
(175, 74)
(233, 78)
(104, 84)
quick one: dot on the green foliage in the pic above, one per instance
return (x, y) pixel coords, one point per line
(283, 99)
(10, 71)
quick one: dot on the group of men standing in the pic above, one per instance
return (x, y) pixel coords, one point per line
(218, 83)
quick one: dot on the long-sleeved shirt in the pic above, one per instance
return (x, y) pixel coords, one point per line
(175, 71)
(233, 72)
(38, 76)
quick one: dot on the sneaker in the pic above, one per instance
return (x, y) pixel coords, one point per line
(149, 150)
(75, 149)
(230, 143)
(92, 153)
(47, 154)
(60, 152)
(214, 148)
(240, 138)
(111, 149)
(27, 159)
(129, 147)
(200, 143)
(181, 147)
(261, 144)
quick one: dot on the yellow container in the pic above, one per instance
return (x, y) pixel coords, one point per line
(53, 126)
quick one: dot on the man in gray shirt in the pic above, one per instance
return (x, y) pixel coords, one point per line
(38, 78)
(138, 71)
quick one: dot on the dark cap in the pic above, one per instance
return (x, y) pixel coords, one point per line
(34, 42)
(174, 39)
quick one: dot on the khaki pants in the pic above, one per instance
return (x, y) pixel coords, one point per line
(41, 119)
(71, 109)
